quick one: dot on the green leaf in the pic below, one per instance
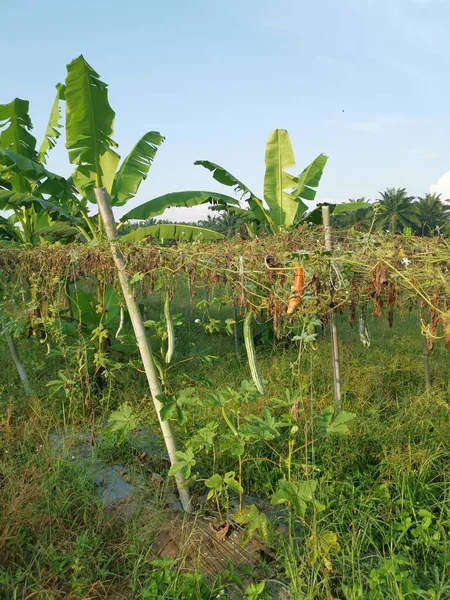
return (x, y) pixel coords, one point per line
(16, 125)
(135, 167)
(214, 482)
(322, 546)
(279, 156)
(8, 231)
(158, 205)
(137, 277)
(14, 200)
(254, 520)
(121, 422)
(348, 207)
(229, 326)
(254, 590)
(230, 480)
(112, 305)
(204, 438)
(89, 127)
(265, 427)
(337, 426)
(184, 463)
(309, 178)
(52, 132)
(83, 308)
(297, 494)
(44, 181)
(171, 231)
(223, 176)
(343, 417)
(60, 230)
(168, 410)
(15, 136)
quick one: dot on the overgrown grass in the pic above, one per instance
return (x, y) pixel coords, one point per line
(384, 489)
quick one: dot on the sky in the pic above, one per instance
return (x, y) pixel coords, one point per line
(364, 81)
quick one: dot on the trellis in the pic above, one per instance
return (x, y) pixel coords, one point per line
(258, 275)
(375, 270)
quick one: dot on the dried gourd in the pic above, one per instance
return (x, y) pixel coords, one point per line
(298, 287)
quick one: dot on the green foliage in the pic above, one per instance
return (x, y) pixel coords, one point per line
(265, 427)
(184, 464)
(164, 579)
(254, 520)
(89, 127)
(173, 404)
(158, 205)
(254, 591)
(168, 231)
(396, 210)
(218, 483)
(285, 208)
(134, 168)
(52, 132)
(297, 495)
(329, 424)
(121, 422)
(89, 312)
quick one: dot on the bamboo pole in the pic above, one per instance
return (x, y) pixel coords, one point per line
(426, 364)
(235, 328)
(336, 365)
(18, 363)
(104, 205)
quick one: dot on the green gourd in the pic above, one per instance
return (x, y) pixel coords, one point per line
(251, 355)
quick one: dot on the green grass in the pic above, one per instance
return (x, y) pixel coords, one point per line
(384, 489)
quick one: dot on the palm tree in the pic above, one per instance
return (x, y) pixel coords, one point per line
(360, 219)
(211, 222)
(433, 214)
(396, 210)
(229, 224)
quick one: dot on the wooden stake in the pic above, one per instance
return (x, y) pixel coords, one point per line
(336, 365)
(154, 383)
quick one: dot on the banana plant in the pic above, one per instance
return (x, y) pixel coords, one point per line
(42, 202)
(282, 205)
(89, 131)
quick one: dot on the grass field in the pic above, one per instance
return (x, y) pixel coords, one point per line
(379, 524)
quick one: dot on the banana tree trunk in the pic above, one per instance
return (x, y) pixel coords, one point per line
(18, 363)
(104, 205)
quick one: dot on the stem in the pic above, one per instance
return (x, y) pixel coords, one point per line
(19, 364)
(218, 506)
(141, 338)
(240, 482)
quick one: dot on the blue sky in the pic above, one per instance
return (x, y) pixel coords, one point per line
(216, 76)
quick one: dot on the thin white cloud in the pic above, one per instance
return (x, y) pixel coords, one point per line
(378, 124)
(186, 215)
(423, 153)
(442, 186)
(427, 1)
